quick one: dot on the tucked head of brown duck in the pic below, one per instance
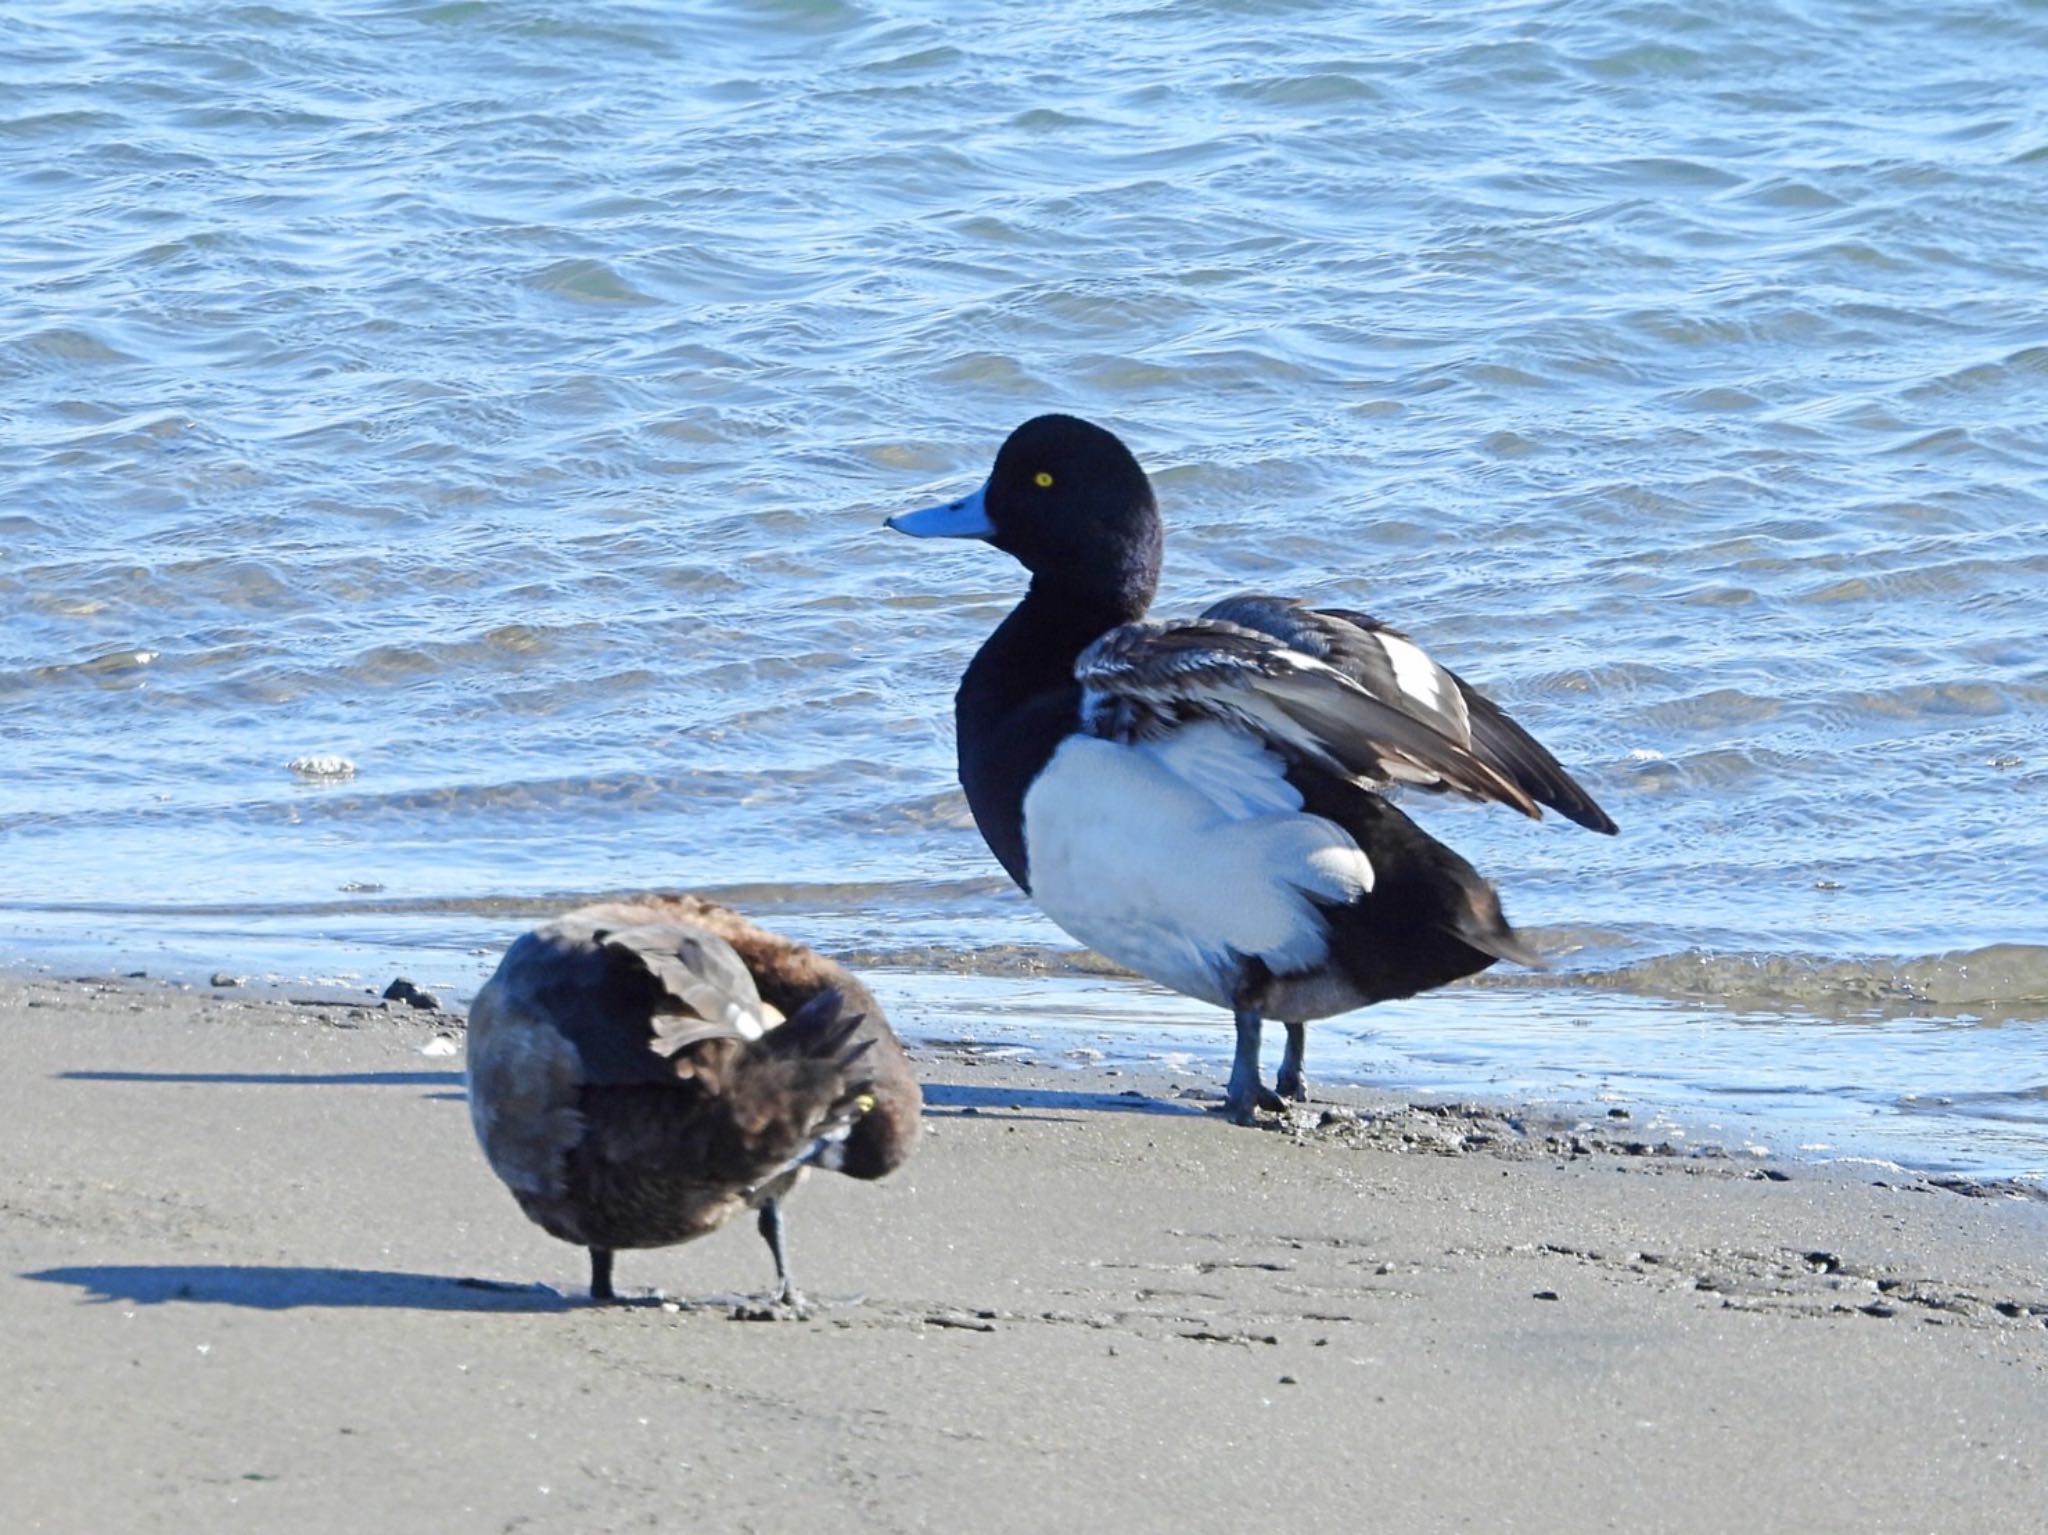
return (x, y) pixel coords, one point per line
(879, 1102)
(789, 977)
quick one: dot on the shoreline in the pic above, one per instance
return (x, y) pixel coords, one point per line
(1490, 1043)
(244, 1240)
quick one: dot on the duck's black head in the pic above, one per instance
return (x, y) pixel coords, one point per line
(1068, 501)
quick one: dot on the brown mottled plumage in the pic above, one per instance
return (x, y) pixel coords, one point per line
(640, 1072)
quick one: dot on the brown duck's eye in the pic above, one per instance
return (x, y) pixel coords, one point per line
(1042, 480)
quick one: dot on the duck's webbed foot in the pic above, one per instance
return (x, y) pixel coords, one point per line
(1291, 1082)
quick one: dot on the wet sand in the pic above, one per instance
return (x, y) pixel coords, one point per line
(242, 1240)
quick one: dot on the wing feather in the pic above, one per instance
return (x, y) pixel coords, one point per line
(1393, 668)
(1141, 679)
(1385, 662)
(1499, 738)
(632, 1000)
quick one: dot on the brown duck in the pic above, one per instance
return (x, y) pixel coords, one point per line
(640, 1072)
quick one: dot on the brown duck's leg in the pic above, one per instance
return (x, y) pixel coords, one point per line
(770, 1223)
(601, 1274)
(1291, 1083)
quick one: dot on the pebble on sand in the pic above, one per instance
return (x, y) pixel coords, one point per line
(403, 990)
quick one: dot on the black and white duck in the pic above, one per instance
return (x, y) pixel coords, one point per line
(1197, 799)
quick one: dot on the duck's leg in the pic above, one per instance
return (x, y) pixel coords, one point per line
(601, 1274)
(1241, 1099)
(1291, 1083)
(770, 1223)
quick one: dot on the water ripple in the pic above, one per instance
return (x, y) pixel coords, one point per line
(504, 397)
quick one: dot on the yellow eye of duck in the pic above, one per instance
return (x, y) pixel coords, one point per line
(1042, 480)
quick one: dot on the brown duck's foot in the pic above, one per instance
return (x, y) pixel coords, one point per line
(779, 1308)
(601, 1275)
(785, 1305)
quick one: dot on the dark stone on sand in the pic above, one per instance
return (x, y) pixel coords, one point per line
(1545, 1295)
(402, 990)
(222, 978)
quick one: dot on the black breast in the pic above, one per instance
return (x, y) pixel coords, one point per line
(1000, 754)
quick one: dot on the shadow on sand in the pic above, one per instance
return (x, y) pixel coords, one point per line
(264, 1288)
(947, 1100)
(276, 1078)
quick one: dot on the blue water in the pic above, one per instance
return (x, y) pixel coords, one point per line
(504, 398)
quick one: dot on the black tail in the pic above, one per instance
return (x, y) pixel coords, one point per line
(1489, 933)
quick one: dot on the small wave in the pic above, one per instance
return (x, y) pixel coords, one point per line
(2017, 1106)
(2008, 979)
(124, 668)
(587, 281)
(751, 897)
(1003, 959)
(68, 344)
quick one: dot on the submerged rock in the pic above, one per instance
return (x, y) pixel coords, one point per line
(322, 766)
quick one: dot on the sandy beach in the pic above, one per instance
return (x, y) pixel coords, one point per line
(259, 1278)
